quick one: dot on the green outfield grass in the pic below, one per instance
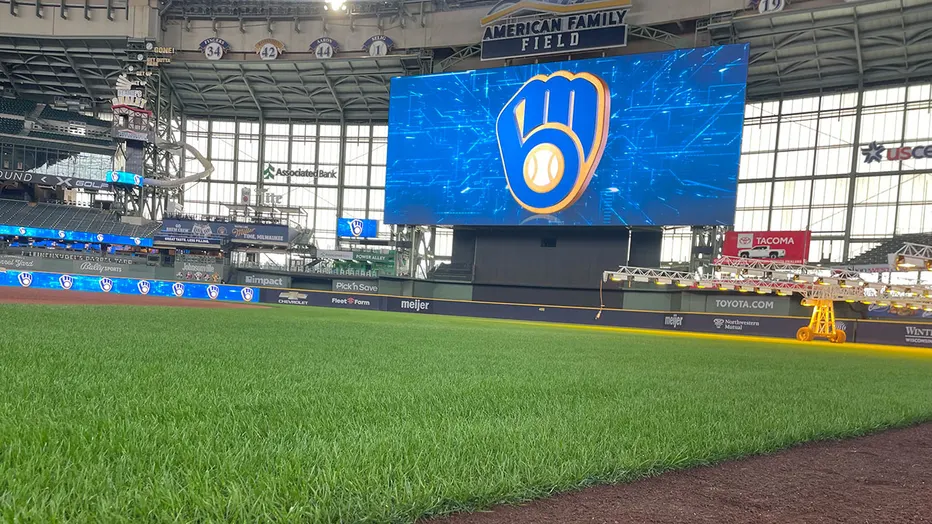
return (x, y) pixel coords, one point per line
(117, 414)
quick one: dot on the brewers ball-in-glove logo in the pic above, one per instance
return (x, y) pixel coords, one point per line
(143, 286)
(178, 289)
(356, 227)
(213, 292)
(247, 294)
(551, 135)
(106, 285)
(66, 281)
(25, 279)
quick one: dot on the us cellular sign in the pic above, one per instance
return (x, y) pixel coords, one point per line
(539, 27)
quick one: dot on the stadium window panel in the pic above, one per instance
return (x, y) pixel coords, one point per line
(354, 199)
(222, 193)
(830, 191)
(221, 146)
(195, 208)
(828, 219)
(326, 198)
(325, 220)
(914, 219)
(280, 191)
(248, 148)
(916, 187)
(829, 250)
(248, 128)
(247, 172)
(676, 244)
(327, 181)
(919, 93)
(794, 163)
(800, 105)
(759, 137)
(329, 151)
(884, 96)
(306, 132)
(751, 220)
(797, 133)
(377, 176)
(872, 221)
(884, 166)
(377, 199)
(279, 130)
(792, 194)
(839, 101)
(380, 131)
(756, 195)
(882, 124)
(302, 197)
(196, 126)
(322, 241)
(357, 131)
(301, 180)
(330, 131)
(443, 242)
(752, 110)
(833, 161)
(303, 152)
(919, 123)
(876, 189)
(357, 151)
(379, 152)
(276, 151)
(214, 209)
(836, 130)
(789, 219)
(755, 166)
(223, 170)
(356, 176)
(196, 191)
(913, 163)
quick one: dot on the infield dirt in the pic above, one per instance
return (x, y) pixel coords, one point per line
(886, 477)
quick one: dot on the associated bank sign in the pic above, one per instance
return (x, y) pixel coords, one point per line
(520, 28)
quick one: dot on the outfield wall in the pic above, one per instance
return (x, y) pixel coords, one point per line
(913, 334)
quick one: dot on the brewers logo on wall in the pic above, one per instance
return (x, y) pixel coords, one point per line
(551, 135)
(269, 48)
(378, 45)
(214, 48)
(516, 28)
(324, 47)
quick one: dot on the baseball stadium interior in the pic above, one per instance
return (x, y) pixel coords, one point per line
(745, 168)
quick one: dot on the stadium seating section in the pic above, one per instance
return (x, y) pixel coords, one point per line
(71, 138)
(878, 255)
(70, 218)
(50, 113)
(16, 107)
(10, 126)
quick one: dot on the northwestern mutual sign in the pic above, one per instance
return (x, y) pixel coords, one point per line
(518, 28)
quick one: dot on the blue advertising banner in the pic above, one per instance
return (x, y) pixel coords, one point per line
(357, 228)
(639, 140)
(902, 313)
(203, 232)
(128, 286)
(74, 236)
(122, 177)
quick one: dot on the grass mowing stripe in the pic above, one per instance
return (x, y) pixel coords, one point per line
(321, 415)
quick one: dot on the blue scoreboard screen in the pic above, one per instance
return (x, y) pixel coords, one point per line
(636, 140)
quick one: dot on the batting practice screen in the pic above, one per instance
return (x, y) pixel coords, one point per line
(637, 140)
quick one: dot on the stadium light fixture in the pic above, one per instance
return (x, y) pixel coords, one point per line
(914, 307)
(642, 279)
(784, 292)
(661, 281)
(335, 5)
(763, 291)
(616, 277)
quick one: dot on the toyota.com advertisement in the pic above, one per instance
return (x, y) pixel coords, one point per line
(791, 247)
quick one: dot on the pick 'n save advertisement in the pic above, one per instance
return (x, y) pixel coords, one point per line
(791, 247)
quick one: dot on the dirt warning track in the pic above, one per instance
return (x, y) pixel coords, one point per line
(880, 478)
(13, 295)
